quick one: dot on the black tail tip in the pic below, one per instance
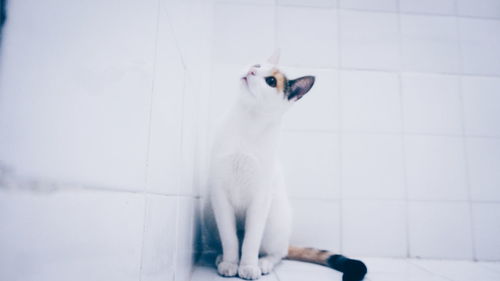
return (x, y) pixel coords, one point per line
(354, 270)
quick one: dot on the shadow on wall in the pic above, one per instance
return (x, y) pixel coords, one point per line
(3, 15)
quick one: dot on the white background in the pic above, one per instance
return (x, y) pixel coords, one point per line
(107, 109)
(395, 151)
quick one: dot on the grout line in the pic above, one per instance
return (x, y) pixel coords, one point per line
(445, 201)
(174, 35)
(151, 97)
(368, 69)
(48, 188)
(176, 248)
(144, 216)
(402, 134)
(339, 136)
(455, 7)
(429, 271)
(148, 145)
(464, 142)
(180, 176)
(275, 273)
(361, 132)
(195, 196)
(454, 14)
(337, 7)
(276, 25)
(488, 268)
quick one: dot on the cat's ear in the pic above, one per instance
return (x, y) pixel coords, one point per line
(299, 87)
(275, 58)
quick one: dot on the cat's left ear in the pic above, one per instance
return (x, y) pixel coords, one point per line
(275, 58)
(299, 87)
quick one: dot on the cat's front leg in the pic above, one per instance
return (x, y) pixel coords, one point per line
(255, 223)
(226, 224)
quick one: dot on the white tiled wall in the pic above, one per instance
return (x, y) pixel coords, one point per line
(106, 109)
(99, 113)
(396, 150)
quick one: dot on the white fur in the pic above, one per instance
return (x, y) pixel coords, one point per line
(247, 190)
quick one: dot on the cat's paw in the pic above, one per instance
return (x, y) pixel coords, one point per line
(249, 272)
(266, 266)
(218, 260)
(227, 269)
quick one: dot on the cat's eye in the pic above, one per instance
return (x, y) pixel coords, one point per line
(271, 81)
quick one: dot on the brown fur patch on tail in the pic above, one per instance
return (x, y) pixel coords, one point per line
(353, 270)
(309, 255)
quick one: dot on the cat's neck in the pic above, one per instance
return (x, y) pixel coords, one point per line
(253, 120)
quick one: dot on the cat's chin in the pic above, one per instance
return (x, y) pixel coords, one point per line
(245, 87)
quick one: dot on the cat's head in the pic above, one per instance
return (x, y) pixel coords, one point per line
(264, 85)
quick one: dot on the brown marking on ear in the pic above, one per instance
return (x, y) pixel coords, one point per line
(281, 80)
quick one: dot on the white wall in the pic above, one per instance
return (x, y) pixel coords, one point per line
(396, 150)
(98, 135)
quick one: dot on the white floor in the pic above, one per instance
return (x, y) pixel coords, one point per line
(379, 269)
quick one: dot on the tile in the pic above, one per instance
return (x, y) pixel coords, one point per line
(268, 2)
(209, 273)
(389, 266)
(431, 104)
(319, 109)
(429, 43)
(310, 3)
(374, 228)
(435, 168)
(415, 275)
(192, 132)
(379, 159)
(311, 164)
(478, 46)
(486, 231)
(481, 98)
(189, 20)
(185, 238)
(91, 125)
(323, 231)
(440, 230)
(298, 271)
(479, 8)
(369, 40)
(198, 226)
(250, 36)
(370, 101)
(377, 5)
(457, 270)
(160, 241)
(483, 156)
(164, 164)
(494, 266)
(52, 236)
(309, 42)
(441, 7)
(224, 90)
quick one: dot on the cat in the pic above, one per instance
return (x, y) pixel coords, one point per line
(248, 207)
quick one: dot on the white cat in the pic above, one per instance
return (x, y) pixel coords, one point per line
(248, 206)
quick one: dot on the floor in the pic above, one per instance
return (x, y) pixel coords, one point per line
(379, 269)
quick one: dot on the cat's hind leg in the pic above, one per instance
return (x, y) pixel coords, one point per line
(268, 262)
(275, 242)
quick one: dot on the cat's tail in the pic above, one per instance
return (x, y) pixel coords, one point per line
(354, 270)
